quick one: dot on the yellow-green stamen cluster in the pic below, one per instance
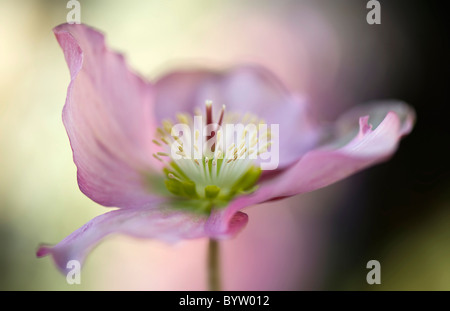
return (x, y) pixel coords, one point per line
(216, 172)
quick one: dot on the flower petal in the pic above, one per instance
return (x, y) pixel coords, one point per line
(321, 167)
(108, 118)
(223, 224)
(335, 161)
(377, 111)
(246, 89)
(158, 222)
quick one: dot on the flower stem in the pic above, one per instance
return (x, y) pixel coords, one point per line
(213, 266)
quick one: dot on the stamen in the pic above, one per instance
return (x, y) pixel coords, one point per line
(264, 148)
(160, 132)
(219, 135)
(218, 175)
(167, 125)
(242, 152)
(246, 117)
(157, 158)
(172, 176)
(183, 118)
(244, 133)
(197, 134)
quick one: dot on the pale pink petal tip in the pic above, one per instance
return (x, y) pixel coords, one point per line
(225, 223)
(364, 126)
(43, 250)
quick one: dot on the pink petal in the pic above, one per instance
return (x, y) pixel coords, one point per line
(335, 161)
(158, 222)
(222, 223)
(108, 117)
(246, 89)
(321, 167)
(377, 111)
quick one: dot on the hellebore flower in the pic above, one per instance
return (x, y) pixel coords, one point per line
(121, 132)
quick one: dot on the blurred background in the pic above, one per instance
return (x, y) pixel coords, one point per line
(397, 213)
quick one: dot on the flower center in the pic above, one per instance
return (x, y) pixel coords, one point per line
(212, 161)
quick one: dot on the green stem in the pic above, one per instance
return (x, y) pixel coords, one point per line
(213, 265)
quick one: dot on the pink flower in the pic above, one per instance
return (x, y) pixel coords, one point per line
(118, 126)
